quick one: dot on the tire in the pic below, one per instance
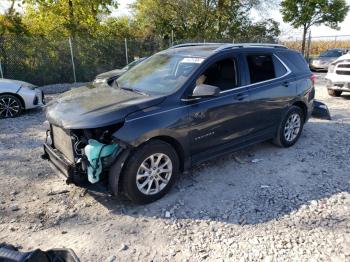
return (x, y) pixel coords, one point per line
(10, 106)
(139, 170)
(290, 127)
(334, 93)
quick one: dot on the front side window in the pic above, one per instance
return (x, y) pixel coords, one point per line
(261, 68)
(160, 74)
(222, 74)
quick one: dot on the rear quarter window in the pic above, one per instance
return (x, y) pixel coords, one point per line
(295, 61)
(280, 69)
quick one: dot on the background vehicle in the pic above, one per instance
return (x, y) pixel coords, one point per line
(323, 61)
(178, 108)
(110, 76)
(16, 96)
(338, 76)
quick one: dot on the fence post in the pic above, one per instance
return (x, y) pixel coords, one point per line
(72, 57)
(126, 51)
(2, 74)
(308, 47)
(172, 37)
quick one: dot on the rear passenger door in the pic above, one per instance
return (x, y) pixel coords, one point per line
(271, 86)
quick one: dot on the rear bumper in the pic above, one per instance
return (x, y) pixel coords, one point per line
(59, 162)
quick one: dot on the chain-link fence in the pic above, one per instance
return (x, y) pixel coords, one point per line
(43, 61)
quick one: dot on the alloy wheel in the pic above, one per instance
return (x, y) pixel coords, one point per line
(292, 127)
(154, 174)
(9, 106)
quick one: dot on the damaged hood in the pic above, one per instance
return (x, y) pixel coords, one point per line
(96, 106)
(109, 74)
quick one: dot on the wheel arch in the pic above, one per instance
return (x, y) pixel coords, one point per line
(303, 107)
(17, 96)
(176, 145)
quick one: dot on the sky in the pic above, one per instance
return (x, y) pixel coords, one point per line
(287, 30)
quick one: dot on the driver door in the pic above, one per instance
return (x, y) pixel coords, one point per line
(217, 123)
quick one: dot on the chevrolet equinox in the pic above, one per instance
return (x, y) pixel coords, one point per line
(176, 109)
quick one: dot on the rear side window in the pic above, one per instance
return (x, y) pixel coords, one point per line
(261, 68)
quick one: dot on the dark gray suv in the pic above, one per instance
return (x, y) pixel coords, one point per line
(176, 109)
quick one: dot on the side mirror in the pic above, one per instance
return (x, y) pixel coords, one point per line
(205, 91)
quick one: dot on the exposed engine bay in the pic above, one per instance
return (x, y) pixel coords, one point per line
(88, 153)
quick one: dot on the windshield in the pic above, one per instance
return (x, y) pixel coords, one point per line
(132, 64)
(160, 74)
(332, 53)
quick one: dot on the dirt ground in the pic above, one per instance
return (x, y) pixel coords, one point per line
(260, 204)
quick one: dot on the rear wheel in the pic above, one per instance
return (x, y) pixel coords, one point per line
(150, 172)
(290, 127)
(335, 93)
(10, 106)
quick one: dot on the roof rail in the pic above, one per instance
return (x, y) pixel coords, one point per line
(225, 46)
(245, 45)
(194, 44)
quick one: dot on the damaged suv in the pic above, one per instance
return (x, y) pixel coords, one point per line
(179, 107)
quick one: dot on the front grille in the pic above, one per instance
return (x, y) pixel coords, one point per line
(343, 72)
(62, 141)
(344, 66)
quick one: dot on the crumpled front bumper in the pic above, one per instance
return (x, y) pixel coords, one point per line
(61, 165)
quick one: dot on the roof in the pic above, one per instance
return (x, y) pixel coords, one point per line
(207, 49)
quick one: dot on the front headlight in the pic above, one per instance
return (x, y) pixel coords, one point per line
(99, 80)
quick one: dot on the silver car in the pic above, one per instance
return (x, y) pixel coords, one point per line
(322, 62)
(16, 96)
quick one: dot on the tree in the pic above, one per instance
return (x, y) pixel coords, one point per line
(11, 21)
(66, 17)
(306, 13)
(194, 19)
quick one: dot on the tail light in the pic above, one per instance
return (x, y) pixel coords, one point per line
(313, 79)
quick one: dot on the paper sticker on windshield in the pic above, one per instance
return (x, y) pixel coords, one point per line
(192, 60)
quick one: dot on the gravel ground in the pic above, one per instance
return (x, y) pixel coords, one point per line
(260, 204)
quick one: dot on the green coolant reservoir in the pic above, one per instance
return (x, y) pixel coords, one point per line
(96, 152)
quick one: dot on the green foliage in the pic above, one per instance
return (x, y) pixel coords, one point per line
(195, 19)
(11, 22)
(306, 13)
(66, 17)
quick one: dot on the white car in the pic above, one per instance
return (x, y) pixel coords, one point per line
(16, 96)
(338, 76)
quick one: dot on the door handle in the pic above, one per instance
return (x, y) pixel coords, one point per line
(241, 97)
(286, 84)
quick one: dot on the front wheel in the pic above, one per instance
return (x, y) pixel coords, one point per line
(10, 106)
(290, 127)
(335, 93)
(150, 172)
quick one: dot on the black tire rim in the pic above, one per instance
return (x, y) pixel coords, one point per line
(9, 106)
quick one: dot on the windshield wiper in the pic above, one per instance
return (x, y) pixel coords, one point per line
(135, 91)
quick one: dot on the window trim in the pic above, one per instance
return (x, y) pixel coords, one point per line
(266, 81)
